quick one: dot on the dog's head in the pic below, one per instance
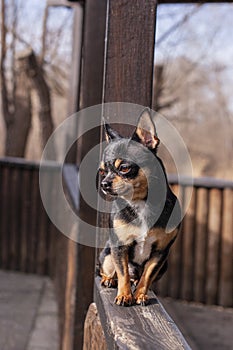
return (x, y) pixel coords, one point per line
(128, 163)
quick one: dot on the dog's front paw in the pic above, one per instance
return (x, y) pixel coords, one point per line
(108, 282)
(141, 299)
(124, 299)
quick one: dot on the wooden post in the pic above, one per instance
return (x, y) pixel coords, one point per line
(189, 249)
(214, 227)
(129, 58)
(226, 268)
(90, 95)
(175, 261)
(201, 244)
(130, 51)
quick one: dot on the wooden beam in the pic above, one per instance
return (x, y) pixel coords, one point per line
(90, 95)
(129, 62)
(65, 3)
(75, 76)
(137, 327)
(130, 51)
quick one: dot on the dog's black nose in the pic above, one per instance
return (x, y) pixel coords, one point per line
(106, 185)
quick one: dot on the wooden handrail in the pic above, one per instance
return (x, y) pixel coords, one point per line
(136, 327)
(204, 182)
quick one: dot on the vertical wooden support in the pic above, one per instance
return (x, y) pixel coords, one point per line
(188, 249)
(175, 260)
(25, 207)
(226, 268)
(201, 245)
(214, 227)
(5, 209)
(91, 94)
(129, 57)
(130, 51)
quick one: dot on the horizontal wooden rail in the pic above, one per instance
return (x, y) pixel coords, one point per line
(136, 327)
(203, 182)
(200, 262)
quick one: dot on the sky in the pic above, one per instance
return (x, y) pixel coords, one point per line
(205, 37)
(207, 33)
(200, 33)
(30, 24)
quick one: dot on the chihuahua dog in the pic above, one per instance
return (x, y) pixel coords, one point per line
(145, 215)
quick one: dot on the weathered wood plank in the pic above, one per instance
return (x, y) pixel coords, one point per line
(137, 327)
(93, 332)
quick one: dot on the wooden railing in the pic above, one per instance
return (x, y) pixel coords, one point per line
(27, 236)
(200, 266)
(201, 260)
(138, 327)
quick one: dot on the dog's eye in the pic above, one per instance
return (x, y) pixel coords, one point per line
(124, 169)
(101, 172)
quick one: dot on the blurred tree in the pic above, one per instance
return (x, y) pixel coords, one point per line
(15, 93)
(192, 88)
(19, 75)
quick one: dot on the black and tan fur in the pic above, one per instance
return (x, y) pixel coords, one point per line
(145, 213)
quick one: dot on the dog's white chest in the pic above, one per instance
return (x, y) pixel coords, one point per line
(142, 250)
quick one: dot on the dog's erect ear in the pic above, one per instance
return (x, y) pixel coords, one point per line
(110, 134)
(145, 132)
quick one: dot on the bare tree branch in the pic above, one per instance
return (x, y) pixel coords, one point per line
(12, 49)
(178, 24)
(4, 91)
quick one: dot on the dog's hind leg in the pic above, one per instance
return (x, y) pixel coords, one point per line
(107, 269)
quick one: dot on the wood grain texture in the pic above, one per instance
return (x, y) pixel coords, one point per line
(90, 94)
(137, 327)
(93, 332)
(130, 51)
